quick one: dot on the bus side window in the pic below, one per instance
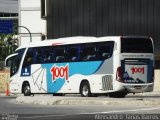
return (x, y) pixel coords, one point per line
(104, 52)
(38, 55)
(15, 65)
(47, 55)
(28, 58)
(59, 54)
(88, 53)
(72, 54)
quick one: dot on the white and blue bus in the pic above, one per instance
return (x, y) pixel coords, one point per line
(87, 65)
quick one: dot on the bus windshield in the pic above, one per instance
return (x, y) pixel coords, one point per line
(136, 45)
(15, 61)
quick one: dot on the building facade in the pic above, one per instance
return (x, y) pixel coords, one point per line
(31, 22)
(103, 18)
(66, 18)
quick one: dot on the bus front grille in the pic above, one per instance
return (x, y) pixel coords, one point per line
(107, 83)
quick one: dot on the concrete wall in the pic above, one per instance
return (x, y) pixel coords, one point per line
(157, 81)
(4, 77)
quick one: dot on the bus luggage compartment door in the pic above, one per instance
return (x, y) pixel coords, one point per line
(137, 71)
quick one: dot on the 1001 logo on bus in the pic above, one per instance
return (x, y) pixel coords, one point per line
(137, 70)
(59, 72)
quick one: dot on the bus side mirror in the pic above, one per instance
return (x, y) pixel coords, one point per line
(8, 61)
(7, 64)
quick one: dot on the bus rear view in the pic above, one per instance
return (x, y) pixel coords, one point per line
(137, 64)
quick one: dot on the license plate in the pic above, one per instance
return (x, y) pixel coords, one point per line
(137, 87)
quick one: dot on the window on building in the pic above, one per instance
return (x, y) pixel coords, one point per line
(43, 8)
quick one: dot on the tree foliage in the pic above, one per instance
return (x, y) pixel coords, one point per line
(8, 44)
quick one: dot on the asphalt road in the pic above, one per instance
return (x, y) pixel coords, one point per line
(10, 110)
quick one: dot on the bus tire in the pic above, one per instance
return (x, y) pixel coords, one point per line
(27, 90)
(85, 89)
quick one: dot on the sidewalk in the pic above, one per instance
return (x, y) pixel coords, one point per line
(146, 99)
(139, 99)
(2, 94)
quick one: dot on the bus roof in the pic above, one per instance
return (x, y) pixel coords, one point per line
(68, 40)
(75, 40)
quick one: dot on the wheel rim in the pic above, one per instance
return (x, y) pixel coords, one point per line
(85, 90)
(27, 90)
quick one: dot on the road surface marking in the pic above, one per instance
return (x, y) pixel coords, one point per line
(121, 111)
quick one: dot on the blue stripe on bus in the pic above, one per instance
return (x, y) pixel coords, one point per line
(83, 68)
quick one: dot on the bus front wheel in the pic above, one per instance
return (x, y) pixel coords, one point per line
(27, 90)
(85, 89)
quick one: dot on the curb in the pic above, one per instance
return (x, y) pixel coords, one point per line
(138, 100)
(2, 94)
